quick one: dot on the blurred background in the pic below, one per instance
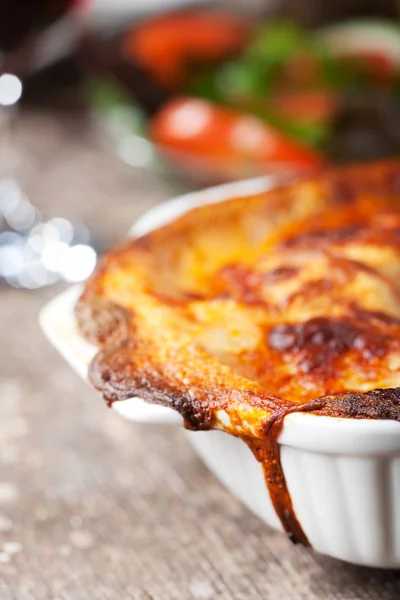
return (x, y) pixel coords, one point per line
(185, 94)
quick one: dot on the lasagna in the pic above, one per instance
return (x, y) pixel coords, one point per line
(240, 312)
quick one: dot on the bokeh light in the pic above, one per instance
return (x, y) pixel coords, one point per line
(10, 89)
(36, 253)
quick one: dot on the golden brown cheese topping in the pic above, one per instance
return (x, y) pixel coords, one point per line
(238, 313)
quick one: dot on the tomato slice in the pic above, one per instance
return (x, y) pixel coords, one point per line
(166, 46)
(381, 67)
(301, 71)
(316, 106)
(223, 136)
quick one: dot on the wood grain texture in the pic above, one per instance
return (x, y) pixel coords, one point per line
(96, 508)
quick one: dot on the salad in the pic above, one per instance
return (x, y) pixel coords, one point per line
(231, 98)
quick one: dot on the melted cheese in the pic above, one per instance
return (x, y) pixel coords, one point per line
(279, 298)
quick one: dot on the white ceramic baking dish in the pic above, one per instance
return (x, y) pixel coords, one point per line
(343, 475)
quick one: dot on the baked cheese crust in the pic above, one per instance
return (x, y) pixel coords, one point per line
(255, 305)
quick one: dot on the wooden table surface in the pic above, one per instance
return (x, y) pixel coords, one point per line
(96, 508)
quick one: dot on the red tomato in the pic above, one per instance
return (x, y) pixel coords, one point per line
(316, 106)
(223, 136)
(303, 70)
(166, 45)
(379, 65)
